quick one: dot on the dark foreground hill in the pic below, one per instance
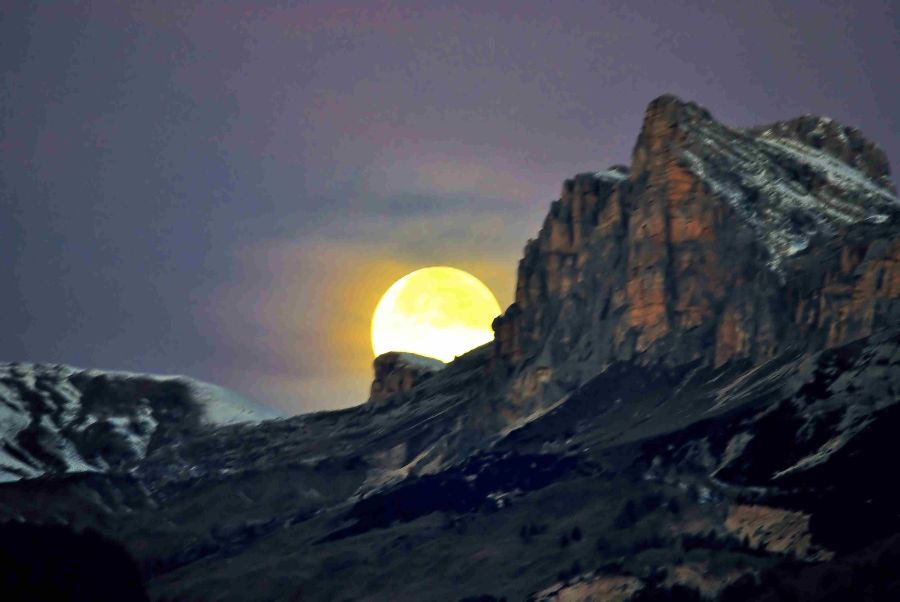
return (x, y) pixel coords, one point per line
(694, 395)
(52, 562)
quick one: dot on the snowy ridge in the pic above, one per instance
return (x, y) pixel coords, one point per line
(614, 174)
(785, 190)
(223, 406)
(414, 359)
(838, 173)
(56, 418)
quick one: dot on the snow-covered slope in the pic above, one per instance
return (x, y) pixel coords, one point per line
(56, 418)
(788, 183)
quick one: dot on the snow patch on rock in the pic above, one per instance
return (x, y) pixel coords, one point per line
(613, 174)
(757, 175)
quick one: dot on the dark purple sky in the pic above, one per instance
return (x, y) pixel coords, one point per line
(224, 189)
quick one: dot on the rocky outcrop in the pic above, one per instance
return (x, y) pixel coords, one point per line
(716, 244)
(553, 262)
(398, 372)
(774, 529)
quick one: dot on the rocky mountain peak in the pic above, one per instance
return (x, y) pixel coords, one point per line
(787, 182)
(710, 249)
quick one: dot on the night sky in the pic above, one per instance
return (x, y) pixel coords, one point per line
(224, 190)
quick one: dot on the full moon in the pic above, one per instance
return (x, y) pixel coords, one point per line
(437, 312)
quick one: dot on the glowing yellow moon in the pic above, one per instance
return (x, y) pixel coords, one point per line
(437, 312)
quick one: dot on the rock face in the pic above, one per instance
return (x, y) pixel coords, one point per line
(717, 244)
(398, 372)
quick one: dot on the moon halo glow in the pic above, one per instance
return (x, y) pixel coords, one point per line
(438, 312)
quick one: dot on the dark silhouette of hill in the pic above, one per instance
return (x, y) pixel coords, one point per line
(54, 562)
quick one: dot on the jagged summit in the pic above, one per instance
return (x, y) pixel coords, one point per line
(788, 181)
(840, 141)
(711, 249)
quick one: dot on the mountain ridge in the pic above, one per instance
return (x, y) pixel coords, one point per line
(60, 418)
(675, 252)
(694, 388)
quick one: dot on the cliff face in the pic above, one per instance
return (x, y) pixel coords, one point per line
(716, 244)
